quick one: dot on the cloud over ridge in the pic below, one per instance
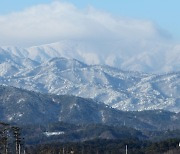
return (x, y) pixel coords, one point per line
(118, 41)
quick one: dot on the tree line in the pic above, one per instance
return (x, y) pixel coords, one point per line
(134, 146)
(11, 141)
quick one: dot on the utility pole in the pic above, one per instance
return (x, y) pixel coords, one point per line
(126, 149)
(19, 148)
(63, 151)
(16, 132)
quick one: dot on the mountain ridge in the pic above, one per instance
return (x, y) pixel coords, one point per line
(124, 90)
(151, 62)
(27, 107)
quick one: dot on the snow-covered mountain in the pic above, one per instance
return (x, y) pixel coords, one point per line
(152, 61)
(123, 90)
(26, 107)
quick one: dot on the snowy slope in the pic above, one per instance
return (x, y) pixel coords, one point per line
(123, 90)
(26, 107)
(151, 61)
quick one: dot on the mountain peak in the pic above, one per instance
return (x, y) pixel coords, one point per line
(65, 63)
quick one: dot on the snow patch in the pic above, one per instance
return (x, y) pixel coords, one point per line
(53, 133)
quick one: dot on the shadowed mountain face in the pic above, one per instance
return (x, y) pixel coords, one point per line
(27, 107)
(123, 90)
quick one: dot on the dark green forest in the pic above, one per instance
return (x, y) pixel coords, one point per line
(109, 147)
(86, 139)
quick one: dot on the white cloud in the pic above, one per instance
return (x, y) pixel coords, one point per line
(56, 21)
(124, 42)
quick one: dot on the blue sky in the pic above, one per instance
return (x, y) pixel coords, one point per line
(165, 13)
